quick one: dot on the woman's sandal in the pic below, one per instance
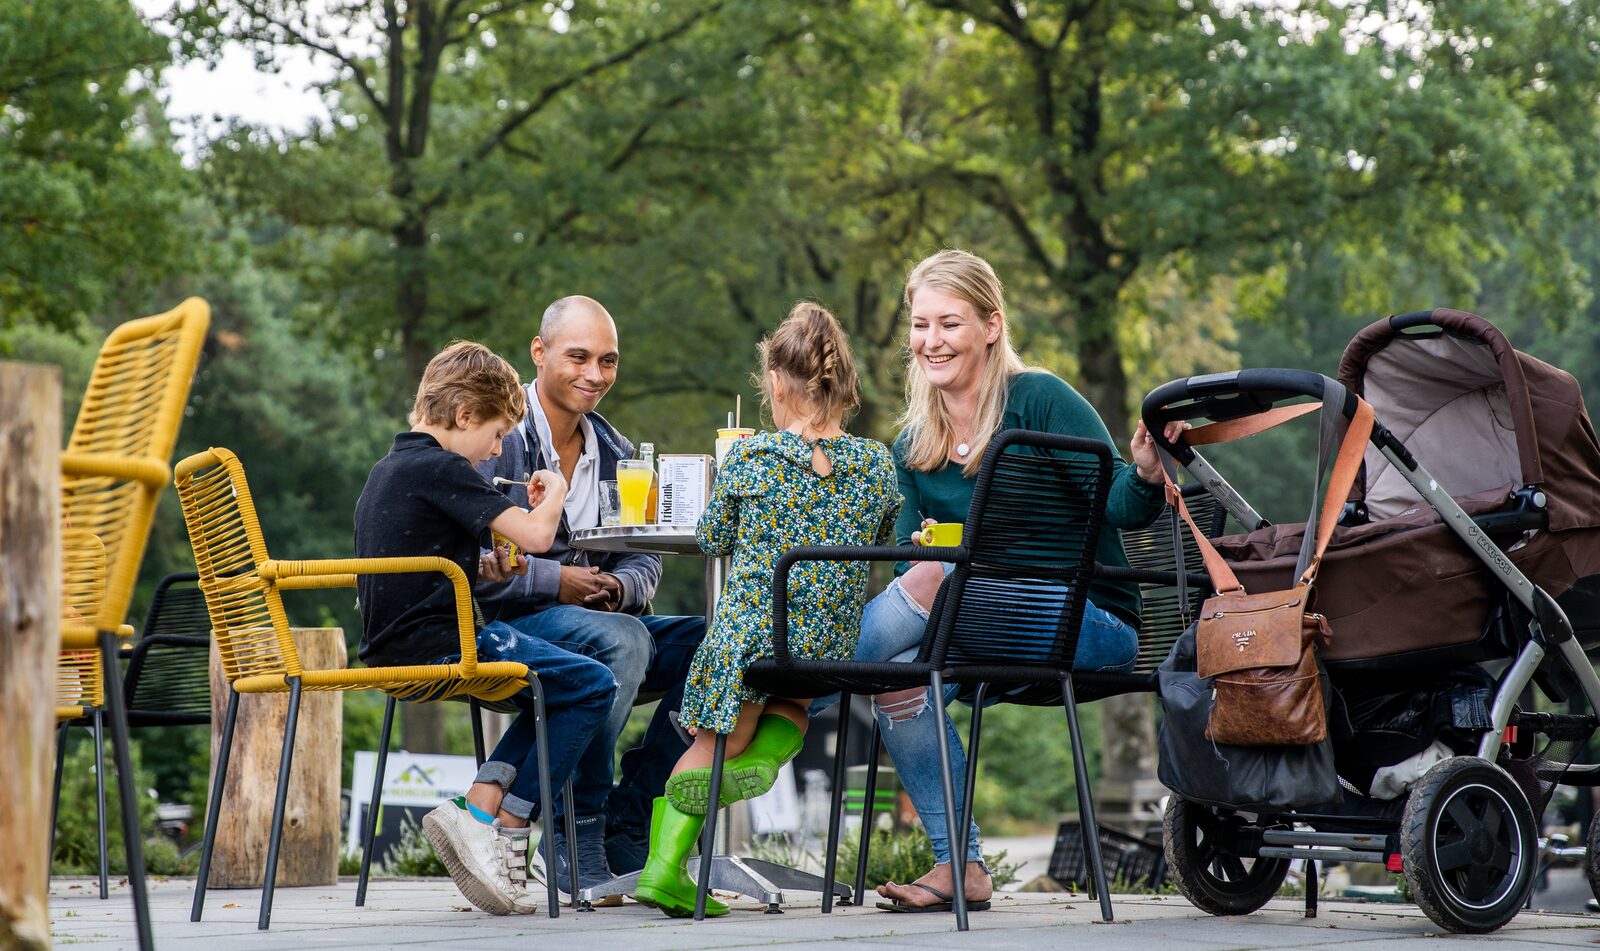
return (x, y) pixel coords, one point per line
(945, 903)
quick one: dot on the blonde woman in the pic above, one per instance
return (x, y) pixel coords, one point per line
(964, 384)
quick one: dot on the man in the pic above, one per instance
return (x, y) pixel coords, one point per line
(588, 602)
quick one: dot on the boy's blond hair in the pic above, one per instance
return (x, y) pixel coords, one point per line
(470, 376)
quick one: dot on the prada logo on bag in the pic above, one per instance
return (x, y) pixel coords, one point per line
(1242, 639)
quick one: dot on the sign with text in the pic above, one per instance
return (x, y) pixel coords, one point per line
(409, 779)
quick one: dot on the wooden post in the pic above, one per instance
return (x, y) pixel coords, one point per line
(311, 842)
(30, 640)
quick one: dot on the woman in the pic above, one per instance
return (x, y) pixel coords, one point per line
(964, 384)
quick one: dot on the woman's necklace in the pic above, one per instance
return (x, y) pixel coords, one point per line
(962, 449)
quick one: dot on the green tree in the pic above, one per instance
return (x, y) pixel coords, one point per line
(90, 188)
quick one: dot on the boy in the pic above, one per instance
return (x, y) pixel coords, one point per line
(425, 498)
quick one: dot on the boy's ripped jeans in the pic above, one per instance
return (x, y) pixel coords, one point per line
(892, 627)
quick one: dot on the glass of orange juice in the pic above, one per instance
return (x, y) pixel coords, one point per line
(633, 485)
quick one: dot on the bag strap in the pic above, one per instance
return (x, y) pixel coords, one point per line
(1348, 462)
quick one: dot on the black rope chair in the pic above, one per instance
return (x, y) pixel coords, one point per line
(1024, 566)
(168, 679)
(166, 683)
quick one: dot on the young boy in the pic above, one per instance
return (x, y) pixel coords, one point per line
(425, 498)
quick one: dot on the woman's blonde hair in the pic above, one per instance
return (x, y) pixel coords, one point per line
(811, 349)
(965, 276)
(468, 376)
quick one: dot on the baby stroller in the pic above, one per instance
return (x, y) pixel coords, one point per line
(1471, 537)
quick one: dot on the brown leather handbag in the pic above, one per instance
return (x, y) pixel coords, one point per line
(1260, 650)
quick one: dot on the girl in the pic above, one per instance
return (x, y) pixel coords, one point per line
(809, 483)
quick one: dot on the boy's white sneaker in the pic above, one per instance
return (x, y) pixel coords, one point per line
(489, 864)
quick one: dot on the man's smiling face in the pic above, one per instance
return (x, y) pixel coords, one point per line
(578, 364)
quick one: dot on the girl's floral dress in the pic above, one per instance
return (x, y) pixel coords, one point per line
(766, 500)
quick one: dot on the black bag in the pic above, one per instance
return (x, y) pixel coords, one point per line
(1252, 778)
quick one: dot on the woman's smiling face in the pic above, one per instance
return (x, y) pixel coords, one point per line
(949, 341)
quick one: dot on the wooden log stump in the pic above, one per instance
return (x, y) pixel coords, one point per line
(30, 641)
(310, 853)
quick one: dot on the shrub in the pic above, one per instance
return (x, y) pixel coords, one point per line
(413, 855)
(77, 850)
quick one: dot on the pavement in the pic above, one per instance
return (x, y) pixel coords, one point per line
(407, 913)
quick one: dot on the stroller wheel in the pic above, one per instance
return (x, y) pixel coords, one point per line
(1468, 844)
(1201, 860)
(1591, 859)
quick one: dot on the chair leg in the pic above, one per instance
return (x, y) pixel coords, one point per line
(570, 827)
(127, 796)
(708, 837)
(214, 807)
(958, 893)
(280, 804)
(1311, 888)
(868, 812)
(1080, 769)
(830, 858)
(369, 836)
(97, 726)
(55, 797)
(969, 787)
(477, 731)
(547, 841)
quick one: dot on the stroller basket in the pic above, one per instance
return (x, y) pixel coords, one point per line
(1560, 738)
(1130, 862)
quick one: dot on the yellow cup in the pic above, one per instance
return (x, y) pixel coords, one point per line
(633, 486)
(942, 534)
(500, 541)
(727, 437)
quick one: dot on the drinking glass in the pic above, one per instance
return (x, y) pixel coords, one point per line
(610, 504)
(633, 487)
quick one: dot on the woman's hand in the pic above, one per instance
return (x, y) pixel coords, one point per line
(916, 537)
(1146, 458)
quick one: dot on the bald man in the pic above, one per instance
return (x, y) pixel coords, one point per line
(591, 603)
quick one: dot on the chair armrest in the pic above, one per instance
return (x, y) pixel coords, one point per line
(333, 572)
(1149, 576)
(780, 577)
(152, 473)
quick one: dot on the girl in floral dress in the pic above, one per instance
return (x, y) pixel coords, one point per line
(808, 483)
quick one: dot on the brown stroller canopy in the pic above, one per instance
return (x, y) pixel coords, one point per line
(1479, 415)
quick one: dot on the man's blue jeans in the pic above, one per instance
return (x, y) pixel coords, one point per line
(891, 630)
(649, 654)
(577, 696)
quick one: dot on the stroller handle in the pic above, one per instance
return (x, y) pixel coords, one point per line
(1231, 395)
(1416, 318)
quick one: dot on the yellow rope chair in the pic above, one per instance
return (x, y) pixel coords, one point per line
(113, 472)
(80, 680)
(243, 590)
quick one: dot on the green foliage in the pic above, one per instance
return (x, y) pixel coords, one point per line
(90, 188)
(1025, 774)
(891, 856)
(77, 832)
(350, 862)
(413, 855)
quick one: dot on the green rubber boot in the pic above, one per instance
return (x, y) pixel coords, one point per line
(776, 741)
(665, 883)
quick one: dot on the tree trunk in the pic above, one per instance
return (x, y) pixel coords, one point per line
(311, 843)
(422, 727)
(30, 640)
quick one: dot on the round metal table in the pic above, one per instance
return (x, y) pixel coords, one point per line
(655, 540)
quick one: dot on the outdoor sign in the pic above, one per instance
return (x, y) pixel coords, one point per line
(409, 779)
